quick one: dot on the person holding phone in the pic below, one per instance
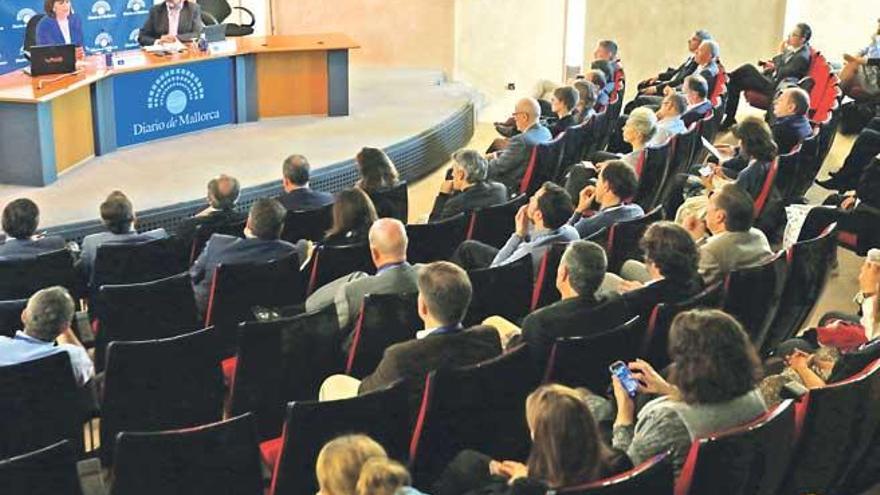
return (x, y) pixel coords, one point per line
(60, 26)
(711, 387)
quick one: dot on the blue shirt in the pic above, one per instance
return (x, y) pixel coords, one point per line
(23, 348)
(535, 245)
(872, 50)
(587, 226)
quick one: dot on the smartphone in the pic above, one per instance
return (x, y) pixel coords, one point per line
(449, 173)
(706, 171)
(622, 372)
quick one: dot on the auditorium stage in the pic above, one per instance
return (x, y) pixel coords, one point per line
(415, 115)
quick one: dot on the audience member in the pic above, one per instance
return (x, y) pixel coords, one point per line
(863, 150)
(587, 99)
(853, 211)
(223, 192)
(733, 244)
(563, 104)
(789, 66)
(353, 215)
(388, 241)
(117, 214)
(262, 243)
(567, 450)
(669, 122)
(47, 319)
(383, 476)
(711, 388)
(377, 170)
(20, 220)
(603, 205)
(675, 76)
(607, 50)
(539, 224)
(705, 57)
(860, 77)
(467, 188)
(597, 78)
(341, 460)
(444, 296)
(297, 195)
(696, 91)
(509, 165)
(608, 70)
(791, 126)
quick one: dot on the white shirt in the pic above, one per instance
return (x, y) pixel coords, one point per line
(871, 330)
(23, 348)
(174, 19)
(64, 25)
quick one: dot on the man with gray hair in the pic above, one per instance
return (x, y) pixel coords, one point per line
(47, 331)
(466, 187)
(675, 76)
(509, 165)
(223, 192)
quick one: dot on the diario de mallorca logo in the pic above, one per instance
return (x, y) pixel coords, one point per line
(173, 91)
(135, 7)
(22, 17)
(103, 41)
(101, 10)
(133, 38)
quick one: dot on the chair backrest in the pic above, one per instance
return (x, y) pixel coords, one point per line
(331, 262)
(653, 476)
(307, 224)
(384, 320)
(383, 415)
(747, 459)
(281, 361)
(809, 267)
(827, 133)
(480, 407)
(220, 458)
(163, 384)
(145, 311)
(204, 232)
(10, 316)
(48, 471)
(708, 128)
(828, 100)
(219, 9)
(820, 72)
(624, 237)
(767, 188)
(808, 165)
(583, 361)
(654, 168)
(598, 133)
(40, 405)
(435, 241)
(838, 423)
(576, 139)
(654, 348)
(545, 292)
(787, 172)
(21, 278)
(863, 467)
(720, 86)
(392, 202)
(752, 295)
(134, 263)
(494, 224)
(684, 148)
(504, 290)
(238, 287)
(542, 165)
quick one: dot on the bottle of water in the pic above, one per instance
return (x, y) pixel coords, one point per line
(108, 58)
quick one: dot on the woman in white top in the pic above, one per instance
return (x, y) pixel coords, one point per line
(60, 26)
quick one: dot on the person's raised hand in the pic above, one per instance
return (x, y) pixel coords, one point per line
(626, 409)
(668, 90)
(522, 221)
(650, 90)
(513, 470)
(694, 226)
(650, 381)
(798, 360)
(446, 187)
(585, 198)
(848, 202)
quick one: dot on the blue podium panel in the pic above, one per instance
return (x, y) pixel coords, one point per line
(165, 102)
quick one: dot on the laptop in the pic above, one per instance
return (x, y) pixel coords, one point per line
(214, 33)
(52, 59)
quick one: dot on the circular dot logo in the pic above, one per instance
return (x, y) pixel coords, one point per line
(176, 102)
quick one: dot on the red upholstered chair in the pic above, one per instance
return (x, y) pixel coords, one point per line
(624, 237)
(545, 292)
(384, 320)
(749, 459)
(807, 167)
(708, 129)
(654, 347)
(543, 164)
(435, 241)
(719, 89)
(653, 477)
(766, 188)
(494, 224)
(753, 296)
(48, 471)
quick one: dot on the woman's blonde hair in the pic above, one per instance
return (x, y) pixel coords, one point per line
(382, 476)
(340, 461)
(644, 122)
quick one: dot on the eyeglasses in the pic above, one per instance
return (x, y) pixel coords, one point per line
(514, 114)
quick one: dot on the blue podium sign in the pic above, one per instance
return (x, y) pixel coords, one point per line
(159, 103)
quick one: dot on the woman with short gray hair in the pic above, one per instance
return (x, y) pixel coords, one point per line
(466, 187)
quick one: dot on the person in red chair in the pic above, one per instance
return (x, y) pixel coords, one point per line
(706, 58)
(675, 76)
(791, 126)
(864, 149)
(791, 65)
(860, 77)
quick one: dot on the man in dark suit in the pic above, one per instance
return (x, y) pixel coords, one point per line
(696, 91)
(223, 192)
(580, 312)
(468, 188)
(789, 66)
(20, 220)
(864, 149)
(675, 76)
(444, 296)
(509, 165)
(706, 60)
(297, 194)
(172, 21)
(791, 126)
(261, 244)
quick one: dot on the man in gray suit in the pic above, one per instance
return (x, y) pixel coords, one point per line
(20, 220)
(170, 21)
(394, 275)
(509, 165)
(734, 244)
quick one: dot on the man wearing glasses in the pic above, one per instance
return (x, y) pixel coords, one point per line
(789, 66)
(509, 165)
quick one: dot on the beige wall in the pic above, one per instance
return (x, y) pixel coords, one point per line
(398, 33)
(652, 35)
(838, 27)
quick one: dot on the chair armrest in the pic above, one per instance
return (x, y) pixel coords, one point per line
(250, 13)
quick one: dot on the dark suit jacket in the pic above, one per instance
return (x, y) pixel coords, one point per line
(558, 126)
(868, 189)
(414, 359)
(186, 230)
(642, 301)
(673, 77)
(188, 27)
(794, 68)
(510, 166)
(578, 316)
(227, 249)
(304, 198)
(479, 195)
(20, 248)
(751, 178)
(789, 131)
(696, 113)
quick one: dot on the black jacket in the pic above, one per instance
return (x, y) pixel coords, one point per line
(793, 69)
(642, 301)
(189, 24)
(789, 131)
(479, 195)
(304, 198)
(186, 230)
(697, 113)
(675, 77)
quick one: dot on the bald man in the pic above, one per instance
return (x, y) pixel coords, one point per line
(394, 275)
(509, 165)
(222, 197)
